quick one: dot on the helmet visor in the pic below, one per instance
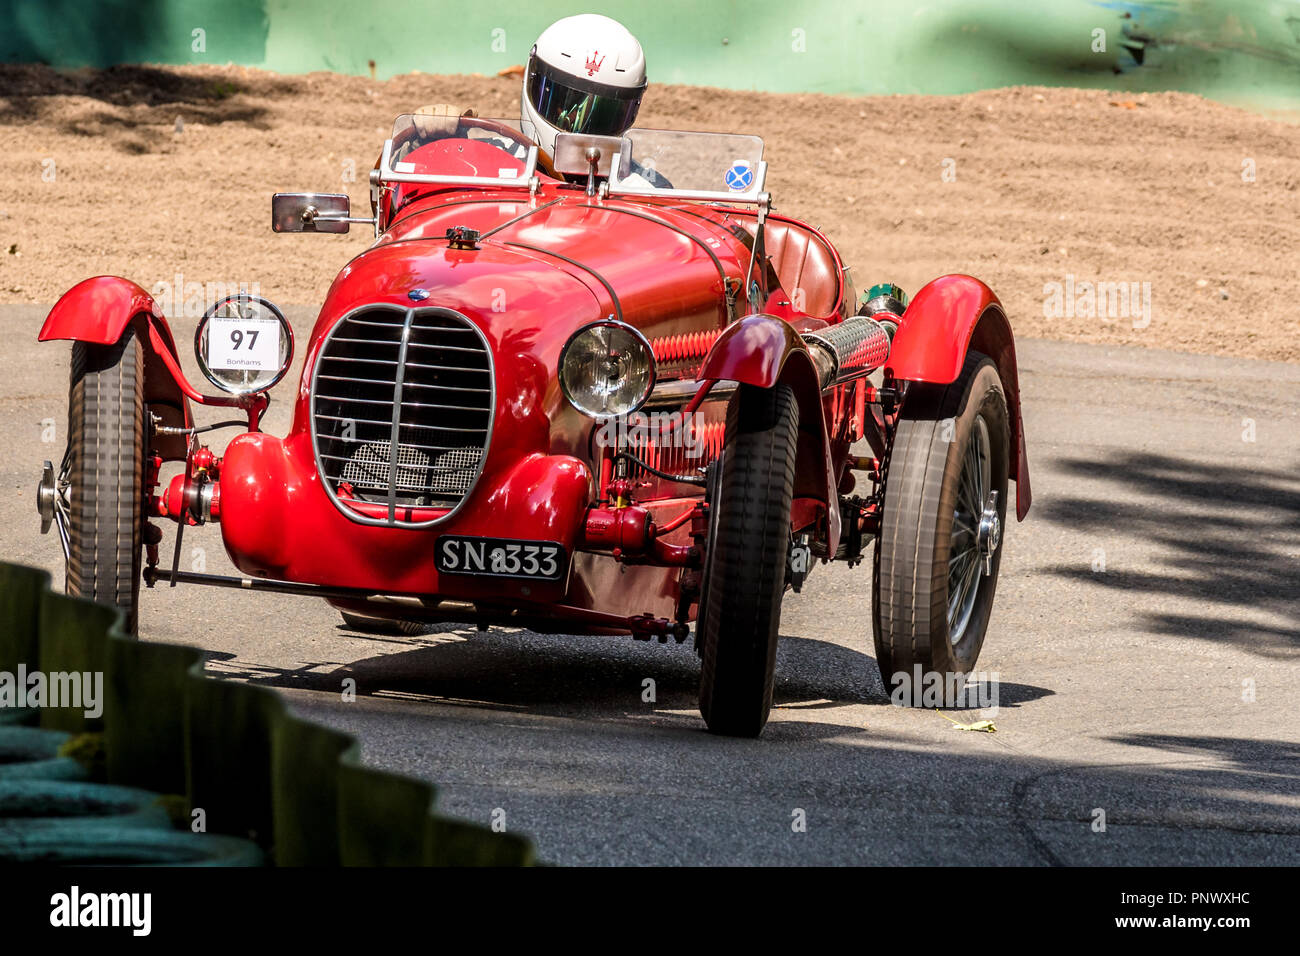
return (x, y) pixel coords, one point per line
(574, 105)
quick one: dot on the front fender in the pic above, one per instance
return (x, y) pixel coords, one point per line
(99, 311)
(765, 351)
(947, 318)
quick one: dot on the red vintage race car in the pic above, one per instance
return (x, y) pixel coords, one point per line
(611, 392)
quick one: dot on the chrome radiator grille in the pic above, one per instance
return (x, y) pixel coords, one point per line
(401, 410)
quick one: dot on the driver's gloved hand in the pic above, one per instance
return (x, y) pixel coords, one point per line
(439, 120)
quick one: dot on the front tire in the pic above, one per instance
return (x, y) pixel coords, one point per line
(947, 478)
(106, 457)
(746, 573)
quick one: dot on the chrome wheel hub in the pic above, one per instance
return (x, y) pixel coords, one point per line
(52, 500)
(45, 497)
(976, 530)
(989, 534)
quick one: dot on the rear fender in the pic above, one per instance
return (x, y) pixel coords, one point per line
(99, 311)
(765, 351)
(947, 318)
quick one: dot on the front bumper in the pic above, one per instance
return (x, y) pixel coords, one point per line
(277, 521)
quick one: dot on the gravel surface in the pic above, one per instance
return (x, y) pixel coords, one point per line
(159, 171)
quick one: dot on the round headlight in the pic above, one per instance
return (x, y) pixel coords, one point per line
(607, 369)
(244, 344)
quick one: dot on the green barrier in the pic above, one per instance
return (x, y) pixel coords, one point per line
(272, 787)
(458, 843)
(382, 817)
(305, 776)
(1224, 49)
(20, 592)
(73, 641)
(144, 713)
(228, 729)
(50, 804)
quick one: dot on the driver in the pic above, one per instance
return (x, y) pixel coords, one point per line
(585, 74)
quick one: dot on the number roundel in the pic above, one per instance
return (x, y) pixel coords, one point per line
(243, 344)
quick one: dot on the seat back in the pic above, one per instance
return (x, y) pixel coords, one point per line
(806, 265)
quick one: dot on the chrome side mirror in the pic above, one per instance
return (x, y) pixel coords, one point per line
(312, 212)
(574, 156)
(582, 154)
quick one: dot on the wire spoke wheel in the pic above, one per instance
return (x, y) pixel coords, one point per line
(936, 561)
(965, 565)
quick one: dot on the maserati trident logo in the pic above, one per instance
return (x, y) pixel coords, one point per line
(593, 64)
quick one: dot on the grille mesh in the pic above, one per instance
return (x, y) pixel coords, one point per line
(425, 373)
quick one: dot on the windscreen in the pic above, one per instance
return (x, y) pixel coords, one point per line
(655, 160)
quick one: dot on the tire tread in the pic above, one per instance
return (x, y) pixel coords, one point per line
(739, 650)
(106, 434)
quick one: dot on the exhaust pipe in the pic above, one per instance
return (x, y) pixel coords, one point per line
(860, 344)
(851, 349)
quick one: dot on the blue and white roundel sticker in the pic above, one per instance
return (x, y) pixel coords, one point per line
(740, 176)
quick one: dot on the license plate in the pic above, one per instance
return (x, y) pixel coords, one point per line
(501, 557)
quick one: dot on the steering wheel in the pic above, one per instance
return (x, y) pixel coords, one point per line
(501, 129)
(408, 141)
(478, 122)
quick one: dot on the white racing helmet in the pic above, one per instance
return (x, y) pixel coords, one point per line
(585, 74)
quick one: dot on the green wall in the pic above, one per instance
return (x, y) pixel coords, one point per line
(70, 33)
(1245, 51)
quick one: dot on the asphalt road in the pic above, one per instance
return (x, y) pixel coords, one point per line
(1145, 646)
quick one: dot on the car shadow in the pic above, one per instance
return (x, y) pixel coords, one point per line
(597, 677)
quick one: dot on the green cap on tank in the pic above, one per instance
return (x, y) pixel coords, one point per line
(884, 297)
